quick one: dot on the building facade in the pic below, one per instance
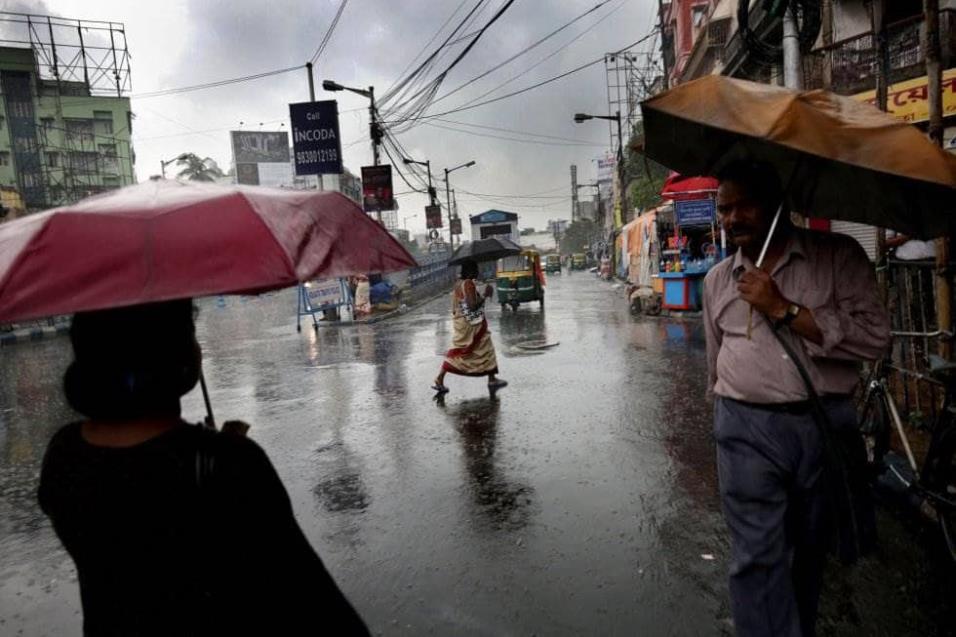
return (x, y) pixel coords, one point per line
(59, 142)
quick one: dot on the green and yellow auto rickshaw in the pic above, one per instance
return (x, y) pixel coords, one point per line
(579, 261)
(519, 279)
(552, 263)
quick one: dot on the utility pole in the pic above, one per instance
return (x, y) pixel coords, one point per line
(574, 193)
(792, 65)
(663, 29)
(308, 68)
(622, 170)
(374, 128)
(882, 92)
(451, 237)
(934, 80)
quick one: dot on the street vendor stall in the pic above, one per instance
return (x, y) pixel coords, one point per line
(690, 239)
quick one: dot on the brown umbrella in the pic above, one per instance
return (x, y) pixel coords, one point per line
(841, 158)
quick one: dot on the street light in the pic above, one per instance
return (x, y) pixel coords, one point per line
(448, 171)
(405, 220)
(616, 117)
(432, 196)
(163, 164)
(374, 129)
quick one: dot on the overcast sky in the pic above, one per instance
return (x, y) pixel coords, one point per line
(176, 43)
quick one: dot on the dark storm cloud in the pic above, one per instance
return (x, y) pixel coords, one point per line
(375, 40)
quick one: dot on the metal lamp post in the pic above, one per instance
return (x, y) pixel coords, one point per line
(616, 117)
(448, 171)
(374, 128)
(432, 195)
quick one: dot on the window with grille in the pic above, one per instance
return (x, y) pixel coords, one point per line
(53, 160)
(108, 156)
(80, 130)
(103, 122)
(83, 162)
(4, 158)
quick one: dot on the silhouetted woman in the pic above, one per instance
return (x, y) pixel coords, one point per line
(175, 529)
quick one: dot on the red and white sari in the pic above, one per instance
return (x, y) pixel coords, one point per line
(472, 352)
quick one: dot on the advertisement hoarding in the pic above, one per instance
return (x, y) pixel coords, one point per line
(315, 138)
(606, 166)
(377, 193)
(256, 147)
(433, 217)
(456, 225)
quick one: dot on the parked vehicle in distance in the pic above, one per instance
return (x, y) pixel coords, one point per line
(519, 279)
(579, 261)
(552, 263)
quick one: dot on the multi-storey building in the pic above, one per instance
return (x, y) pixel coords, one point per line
(65, 118)
(58, 142)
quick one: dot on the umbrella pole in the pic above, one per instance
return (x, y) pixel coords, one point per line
(210, 419)
(763, 253)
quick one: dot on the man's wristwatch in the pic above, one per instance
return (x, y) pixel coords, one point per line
(792, 311)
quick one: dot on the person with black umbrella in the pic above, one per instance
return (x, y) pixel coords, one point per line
(472, 352)
(813, 297)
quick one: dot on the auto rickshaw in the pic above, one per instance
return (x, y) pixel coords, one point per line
(579, 261)
(520, 279)
(552, 263)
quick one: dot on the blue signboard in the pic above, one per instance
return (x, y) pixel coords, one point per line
(316, 147)
(697, 212)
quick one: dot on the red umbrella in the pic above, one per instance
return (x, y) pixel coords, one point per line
(164, 240)
(678, 187)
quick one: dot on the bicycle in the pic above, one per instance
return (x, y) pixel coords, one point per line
(932, 485)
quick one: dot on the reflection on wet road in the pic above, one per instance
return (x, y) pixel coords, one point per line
(579, 500)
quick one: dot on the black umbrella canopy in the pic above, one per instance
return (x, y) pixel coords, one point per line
(490, 249)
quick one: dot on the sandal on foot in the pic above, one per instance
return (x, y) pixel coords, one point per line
(441, 389)
(498, 384)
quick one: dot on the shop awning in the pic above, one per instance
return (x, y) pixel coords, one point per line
(680, 188)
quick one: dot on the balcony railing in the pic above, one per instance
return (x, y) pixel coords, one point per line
(853, 64)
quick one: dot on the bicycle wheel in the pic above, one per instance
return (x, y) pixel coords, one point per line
(939, 479)
(875, 429)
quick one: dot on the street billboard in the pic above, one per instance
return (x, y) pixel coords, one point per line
(257, 147)
(606, 166)
(377, 193)
(456, 225)
(315, 138)
(433, 217)
(252, 150)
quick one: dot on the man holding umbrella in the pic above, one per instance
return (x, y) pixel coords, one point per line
(818, 291)
(792, 314)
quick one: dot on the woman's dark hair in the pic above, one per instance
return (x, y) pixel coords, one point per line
(758, 178)
(132, 362)
(469, 270)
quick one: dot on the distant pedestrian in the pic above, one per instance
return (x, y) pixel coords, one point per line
(472, 352)
(819, 290)
(175, 529)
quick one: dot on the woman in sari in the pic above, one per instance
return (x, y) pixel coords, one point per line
(472, 352)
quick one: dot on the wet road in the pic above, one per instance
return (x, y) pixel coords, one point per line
(581, 500)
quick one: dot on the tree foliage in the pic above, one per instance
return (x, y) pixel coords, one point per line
(578, 235)
(645, 176)
(196, 169)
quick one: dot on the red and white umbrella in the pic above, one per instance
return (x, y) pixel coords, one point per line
(164, 240)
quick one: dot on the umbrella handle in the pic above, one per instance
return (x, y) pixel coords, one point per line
(766, 243)
(210, 420)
